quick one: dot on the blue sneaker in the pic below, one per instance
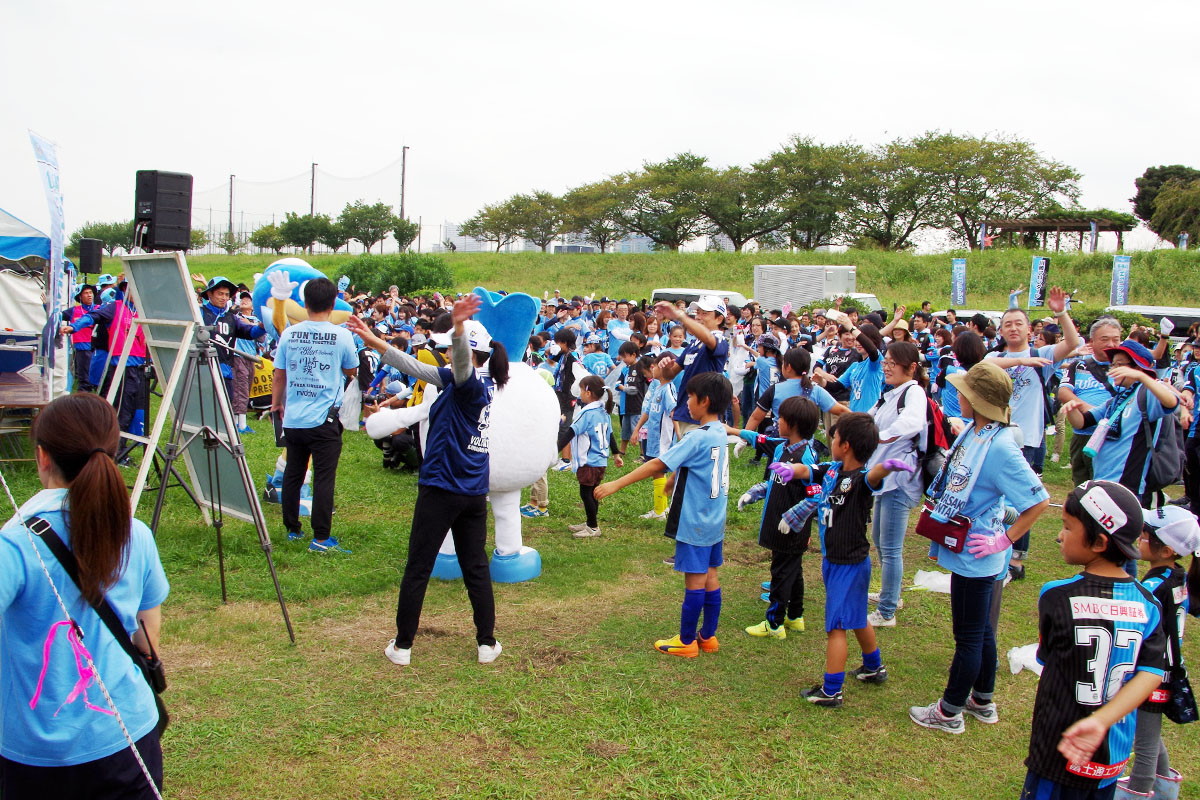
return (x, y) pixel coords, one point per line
(766, 585)
(765, 597)
(534, 511)
(245, 429)
(296, 536)
(329, 545)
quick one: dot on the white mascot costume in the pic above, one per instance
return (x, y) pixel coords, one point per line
(522, 438)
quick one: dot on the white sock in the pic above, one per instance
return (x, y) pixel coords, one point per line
(241, 420)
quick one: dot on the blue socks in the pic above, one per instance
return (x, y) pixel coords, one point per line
(833, 682)
(872, 660)
(689, 617)
(712, 613)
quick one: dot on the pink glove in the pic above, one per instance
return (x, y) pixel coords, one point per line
(787, 309)
(981, 545)
(896, 465)
(784, 471)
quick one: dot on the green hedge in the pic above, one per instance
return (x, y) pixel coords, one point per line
(408, 271)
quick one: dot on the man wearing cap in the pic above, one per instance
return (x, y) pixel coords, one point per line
(1087, 379)
(1123, 455)
(708, 351)
(81, 340)
(216, 312)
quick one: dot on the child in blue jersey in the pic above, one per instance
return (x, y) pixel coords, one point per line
(659, 432)
(795, 383)
(591, 438)
(1168, 533)
(1101, 645)
(864, 378)
(798, 420)
(595, 360)
(697, 517)
(843, 506)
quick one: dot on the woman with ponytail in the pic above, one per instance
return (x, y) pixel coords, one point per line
(453, 484)
(47, 726)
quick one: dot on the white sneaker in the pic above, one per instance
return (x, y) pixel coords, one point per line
(876, 620)
(576, 528)
(651, 514)
(931, 716)
(562, 466)
(984, 712)
(1054, 458)
(873, 597)
(397, 655)
(489, 654)
(587, 533)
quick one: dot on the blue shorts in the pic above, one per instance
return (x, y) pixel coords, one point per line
(698, 558)
(1038, 788)
(846, 587)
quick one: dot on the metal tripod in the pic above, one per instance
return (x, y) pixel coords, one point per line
(202, 359)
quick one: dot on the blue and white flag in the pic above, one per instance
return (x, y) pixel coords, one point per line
(1118, 293)
(1037, 281)
(1183, 240)
(958, 282)
(47, 159)
(1095, 236)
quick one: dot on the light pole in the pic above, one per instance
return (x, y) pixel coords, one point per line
(231, 177)
(403, 170)
(312, 194)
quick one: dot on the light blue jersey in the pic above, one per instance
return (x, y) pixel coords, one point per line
(593, 429)
(314, 355)
(700, 461)
(1028, 401)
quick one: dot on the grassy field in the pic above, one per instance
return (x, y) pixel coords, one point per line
(579, 705)
(1161, 277)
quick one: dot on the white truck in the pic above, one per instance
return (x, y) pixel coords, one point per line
(801, 284)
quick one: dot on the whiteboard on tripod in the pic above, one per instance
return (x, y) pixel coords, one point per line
(161, 289)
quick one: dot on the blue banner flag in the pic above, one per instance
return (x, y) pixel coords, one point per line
(1095, 236)
(1183, 240)
(1118, 293)
(56, 287)
(1037, 281)
(958, 282)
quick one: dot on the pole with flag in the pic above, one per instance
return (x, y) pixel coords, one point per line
(47, 160)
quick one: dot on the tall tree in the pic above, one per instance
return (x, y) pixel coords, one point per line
(594, 212)
(120, 234)
(199, 239)
(660, 203)
(302, 230)
(893, 195)
(230, 242)
(405, 233)
(812, 181)
(367, 224)
(91, 230)
(268, 237)
(1151, 182)
(980, 178)
(539, 217)
(495, 223)
(1177, 210)
(742, 204)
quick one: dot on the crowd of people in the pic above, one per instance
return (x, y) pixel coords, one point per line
(857, 419)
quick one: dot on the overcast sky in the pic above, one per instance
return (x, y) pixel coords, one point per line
(496, 98)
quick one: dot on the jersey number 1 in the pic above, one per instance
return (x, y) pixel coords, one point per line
(720, 473)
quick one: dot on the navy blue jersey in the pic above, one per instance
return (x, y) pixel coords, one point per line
(1169, 586)
(456, 453)
(1094, 633)
(695, 359)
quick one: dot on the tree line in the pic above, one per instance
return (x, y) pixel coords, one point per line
(1168, 201)
(802, 196)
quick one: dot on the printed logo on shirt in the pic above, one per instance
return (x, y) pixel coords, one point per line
(845, 486)
(479, 442)
(1112, 610)
(1179, 594)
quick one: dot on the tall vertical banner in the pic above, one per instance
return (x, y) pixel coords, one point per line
(958, 282)
(1037, 281)
(1095, 237)
(1118, 293)
(47, 159)
(1183, 241)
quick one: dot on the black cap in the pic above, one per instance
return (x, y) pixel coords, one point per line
(1116, 510)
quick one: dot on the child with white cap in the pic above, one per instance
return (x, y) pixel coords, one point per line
(1168, 533)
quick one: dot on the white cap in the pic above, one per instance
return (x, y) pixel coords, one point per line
(709, 302)
(477, 336)
(440, 339)
(1176, 527)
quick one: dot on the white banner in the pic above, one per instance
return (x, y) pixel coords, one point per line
(47, 159)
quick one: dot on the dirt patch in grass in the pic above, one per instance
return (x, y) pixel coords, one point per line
(603, 748)
(746, 553)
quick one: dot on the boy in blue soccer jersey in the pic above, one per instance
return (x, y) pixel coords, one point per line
(1102, 646)
(696, 520)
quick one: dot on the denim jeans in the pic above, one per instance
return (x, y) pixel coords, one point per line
(887, 532)
(974, 664)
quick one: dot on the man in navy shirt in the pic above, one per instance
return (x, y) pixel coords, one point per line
(707, 353)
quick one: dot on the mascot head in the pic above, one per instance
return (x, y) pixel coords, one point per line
(509, 319)
(299, 271)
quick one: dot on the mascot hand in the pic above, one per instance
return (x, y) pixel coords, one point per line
(281, 284)
(343, 283)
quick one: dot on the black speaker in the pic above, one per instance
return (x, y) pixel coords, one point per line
(163, 209)
(89, 256)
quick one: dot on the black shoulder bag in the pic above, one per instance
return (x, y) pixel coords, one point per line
(150, 666)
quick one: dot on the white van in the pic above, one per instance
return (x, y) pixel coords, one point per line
(691, 295)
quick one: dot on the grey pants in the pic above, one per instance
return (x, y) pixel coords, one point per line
(1149, 752)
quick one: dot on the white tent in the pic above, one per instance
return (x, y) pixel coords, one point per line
(24, 254)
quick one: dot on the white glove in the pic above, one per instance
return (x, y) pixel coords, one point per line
(738, 449)
(784, 528)
(281, 284)
(833, 315)
(1165, 326)
(744, 501)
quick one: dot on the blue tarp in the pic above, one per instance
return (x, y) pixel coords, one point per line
(21, 242)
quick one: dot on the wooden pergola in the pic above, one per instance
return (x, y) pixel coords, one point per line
(1057, 226)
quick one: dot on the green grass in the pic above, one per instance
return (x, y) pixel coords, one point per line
(578, 705)
(1161, 277)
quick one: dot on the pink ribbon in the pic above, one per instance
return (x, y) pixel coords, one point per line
(82, 656)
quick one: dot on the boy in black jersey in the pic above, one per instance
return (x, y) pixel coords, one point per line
(1169, 532)
(798, 419)
(843, 508)
(1102, 646)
